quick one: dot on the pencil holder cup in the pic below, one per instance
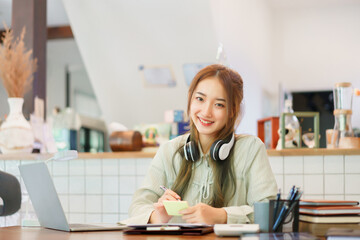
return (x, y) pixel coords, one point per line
(283, 216)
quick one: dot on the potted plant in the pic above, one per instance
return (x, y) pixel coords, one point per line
(16, 72)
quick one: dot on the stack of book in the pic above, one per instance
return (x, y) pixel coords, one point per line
(343, 234)
(317, 216)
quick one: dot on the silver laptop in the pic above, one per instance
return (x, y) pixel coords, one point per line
(45, 200)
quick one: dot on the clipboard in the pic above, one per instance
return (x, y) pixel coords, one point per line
(170, 229)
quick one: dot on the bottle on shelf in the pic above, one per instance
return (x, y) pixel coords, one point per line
(343, 133)
(292, 128)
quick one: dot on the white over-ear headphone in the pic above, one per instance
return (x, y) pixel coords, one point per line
(219, 150)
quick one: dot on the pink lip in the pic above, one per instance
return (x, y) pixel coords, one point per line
(205, 124)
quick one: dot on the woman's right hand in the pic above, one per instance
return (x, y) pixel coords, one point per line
(159, 215)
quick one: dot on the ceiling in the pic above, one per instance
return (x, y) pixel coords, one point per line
(56, 15)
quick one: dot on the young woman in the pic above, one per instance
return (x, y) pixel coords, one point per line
(219, 174)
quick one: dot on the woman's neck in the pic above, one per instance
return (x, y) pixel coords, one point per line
(205, 142)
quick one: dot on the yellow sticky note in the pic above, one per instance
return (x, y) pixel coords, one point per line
(173, 207)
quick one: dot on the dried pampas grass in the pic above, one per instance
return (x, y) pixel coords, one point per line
(16, 64)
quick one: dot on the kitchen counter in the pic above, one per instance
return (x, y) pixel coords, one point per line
(99, 187)
(150, 153)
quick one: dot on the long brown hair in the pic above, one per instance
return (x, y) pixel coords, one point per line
(224, 177)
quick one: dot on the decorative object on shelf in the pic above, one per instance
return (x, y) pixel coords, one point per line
(344, 137)
(268, 131)
(16, 71)
(292, 128)
(125, 141)
(154, 134)
(16, 134)
(309, 139)
(283, 132)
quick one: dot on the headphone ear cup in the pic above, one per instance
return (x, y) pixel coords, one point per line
(191, 151)
(220, 149)
(214, 150)
(194, 151)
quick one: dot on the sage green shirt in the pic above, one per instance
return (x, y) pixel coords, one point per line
(254, 180)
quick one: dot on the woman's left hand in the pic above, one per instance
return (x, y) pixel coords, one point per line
(203, 213)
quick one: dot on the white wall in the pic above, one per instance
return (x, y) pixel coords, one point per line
(318, 46)
(245, 29)
(302, 45)
(115, 37)
(64, 54)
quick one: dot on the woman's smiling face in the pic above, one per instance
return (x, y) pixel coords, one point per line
(208, 108)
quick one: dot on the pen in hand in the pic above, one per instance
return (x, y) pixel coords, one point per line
(164, 189)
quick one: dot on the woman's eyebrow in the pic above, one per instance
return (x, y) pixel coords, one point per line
(200, 93)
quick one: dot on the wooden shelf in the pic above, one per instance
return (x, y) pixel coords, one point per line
(308, 152)
(106, 155)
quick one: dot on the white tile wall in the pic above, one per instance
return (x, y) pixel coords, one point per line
(61, 184)
(310, 196)
(93, 218)
(93, 184)
(291, 180)
(77, 167)
(352, 197)
(127, 184)
(110, 184)
(277, 164)
(110, 167)
(93, 167)
(127, 167)
(352, 164)
(352, 184)
(110, 218)
(76, 218)
(100, 190)
(293, 165)
(313, 164)
(76, 184)
(142, 165)
(314, 184)
(110, 203)
(11, 166)
(77, 204)
(334, 164)
(139, 181)
(334, 184)
(93, 203)
(335, 197)
(125, 202)
(280, 181)
(60, 168)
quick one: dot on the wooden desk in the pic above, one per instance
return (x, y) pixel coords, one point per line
(37, 233)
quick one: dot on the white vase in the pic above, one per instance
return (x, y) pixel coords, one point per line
(16, 134)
